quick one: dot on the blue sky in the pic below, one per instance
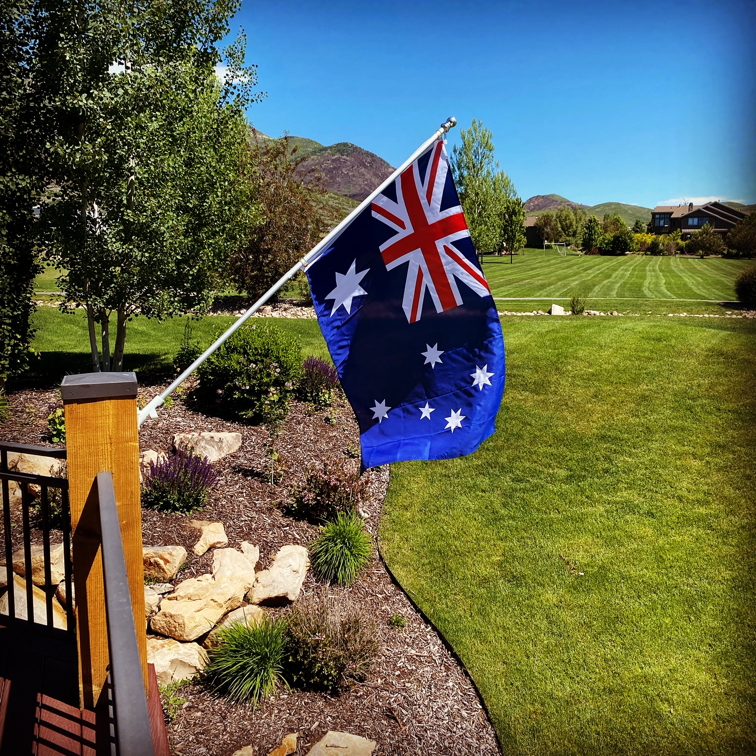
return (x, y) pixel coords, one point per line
(639, 102)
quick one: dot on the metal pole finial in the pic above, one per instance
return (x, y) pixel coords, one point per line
(449, 123)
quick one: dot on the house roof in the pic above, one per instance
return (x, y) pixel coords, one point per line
(717, 209)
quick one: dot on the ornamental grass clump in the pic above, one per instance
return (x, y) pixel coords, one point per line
(329, 645)
(327, 490)
(342, 550)
(178, 483)
(246, 665)
(318, 383)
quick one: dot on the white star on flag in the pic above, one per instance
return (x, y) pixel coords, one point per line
(347, 288)
(481, 377)
(380, 410)
(425, 411)
(454, 420)
(432, 355)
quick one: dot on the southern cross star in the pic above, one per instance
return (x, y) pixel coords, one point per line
(481, 377)
(347, 288)
(432, 355)
(454, 420)
(380, 410)
(425, 411)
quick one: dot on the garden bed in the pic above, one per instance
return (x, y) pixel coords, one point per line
(416, 699)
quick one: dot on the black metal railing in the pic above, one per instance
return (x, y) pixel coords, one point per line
(132, 724)
(40, 507)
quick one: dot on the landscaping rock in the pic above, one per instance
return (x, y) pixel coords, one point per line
(151, 602)
(342, 744)
(214, 446)
(175, 661)
(249, 613)
(556, 309)
(212, 535)
(57, 568)
(230, 564)
(32, 465)
(287, 747)
(283, 581)
(39, 605)
(161, 588)
(61, 595)
(195, 607)
(163, 562)
(246, 751)
(147, 456)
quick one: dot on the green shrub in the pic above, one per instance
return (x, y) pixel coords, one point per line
(329, 646)
(170, 698)
(620, 242)
(577, 304)
(745, 287)
(254, 374)
(342, 549)
(178, 483)
(246, 665)
(397, 621)
(327, 490)
(705, 242)
(56, 425)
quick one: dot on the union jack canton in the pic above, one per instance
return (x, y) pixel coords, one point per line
(410, 321)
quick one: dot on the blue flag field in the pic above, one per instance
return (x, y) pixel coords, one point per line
(410, 322)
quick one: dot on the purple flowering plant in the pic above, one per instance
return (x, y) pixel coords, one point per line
(178, 483)
(319, 382)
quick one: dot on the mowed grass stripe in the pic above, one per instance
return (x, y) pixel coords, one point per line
(632, 276)
(594, 563)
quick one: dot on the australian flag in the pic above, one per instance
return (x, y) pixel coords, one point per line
(410, 321)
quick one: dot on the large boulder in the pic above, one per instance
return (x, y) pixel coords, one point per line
(214, 446)
(195, 607)
(151, 602)
(163, 562)
(32, 464)
(39, 599)
(230, 564)
(556, 309)
(175, 661)
(342, 744)
(212, 535)
(282, 583)
(57, 564)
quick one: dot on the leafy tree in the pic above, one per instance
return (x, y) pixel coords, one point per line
(613, 223)
(591, 233)
(547, 227)
(483, 188)
(619, 243)
(639, 227)
(512, 220)
(742, 237)
(151, 192)
(22, 173)
(291, 220)
(705, 242)
(571, 221)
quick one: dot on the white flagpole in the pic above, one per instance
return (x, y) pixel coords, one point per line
(151, 409)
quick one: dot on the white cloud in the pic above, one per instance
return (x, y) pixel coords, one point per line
(116, 68)
(221, 72)
(699, 200)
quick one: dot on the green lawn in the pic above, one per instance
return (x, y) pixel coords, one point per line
(629, 280)
(593, 563)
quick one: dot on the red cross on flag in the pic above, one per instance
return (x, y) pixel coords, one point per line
(425, 237)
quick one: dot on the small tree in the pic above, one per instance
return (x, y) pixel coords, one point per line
(639, 227)
(591, 233)
(290, 220)
(547, 227)
(706, 242)
(571, 220)
(513, 225)
(613, 223)
(483, 188)
(619, 243)
(742, 238)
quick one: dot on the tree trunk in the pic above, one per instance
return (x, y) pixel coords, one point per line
(93, 340)
(105, 327)
(120, 343)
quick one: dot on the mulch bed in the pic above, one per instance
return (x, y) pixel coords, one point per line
(417, 699)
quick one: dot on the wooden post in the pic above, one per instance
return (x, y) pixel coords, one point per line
(102, 435)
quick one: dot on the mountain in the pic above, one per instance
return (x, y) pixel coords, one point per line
(348, 169)
(740, 206)
(540, 203)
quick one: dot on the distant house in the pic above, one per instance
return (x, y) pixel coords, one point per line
(690, 218)
(532, 235)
